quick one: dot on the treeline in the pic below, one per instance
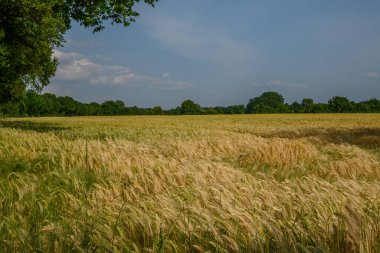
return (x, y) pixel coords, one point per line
(34, 104)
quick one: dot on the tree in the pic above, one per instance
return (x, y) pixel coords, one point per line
(157, 110)
(296, 107)
(12, 109)
(50, 103)
(234, 109)
(113, 107)
(268, 102)
(67, 106)
(340, 104)
(93, 108)
(210, 110)
(307, 101)
(320, 108)
(30, 30)
(34, 103)
(189, 107)
(307, 104)
(373, 104)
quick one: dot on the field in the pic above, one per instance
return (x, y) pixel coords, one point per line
(247, 183)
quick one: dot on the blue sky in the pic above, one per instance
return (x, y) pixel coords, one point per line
(225, 52)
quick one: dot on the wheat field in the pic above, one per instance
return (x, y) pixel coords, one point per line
(240, 183)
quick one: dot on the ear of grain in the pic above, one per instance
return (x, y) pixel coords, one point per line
(268, 183)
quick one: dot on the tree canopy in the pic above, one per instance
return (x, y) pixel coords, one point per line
(189, 107)
(31, 29)
(268, 102)
(34, 104)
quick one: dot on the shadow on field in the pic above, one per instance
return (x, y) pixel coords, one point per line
(31, 126)
(362, 137)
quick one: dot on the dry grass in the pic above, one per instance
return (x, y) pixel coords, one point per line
(258, 183)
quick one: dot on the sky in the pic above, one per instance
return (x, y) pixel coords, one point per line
(219, 53)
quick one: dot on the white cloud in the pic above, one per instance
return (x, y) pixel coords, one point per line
(114, 80)
(77, 70)
(118, 69)
(65, 56)
(74, 66)
(372, 74)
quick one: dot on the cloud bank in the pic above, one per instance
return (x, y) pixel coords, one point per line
(75, 67)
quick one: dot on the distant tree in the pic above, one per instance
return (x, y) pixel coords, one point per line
(250, 107)
(307, 101)
(221, 109)
(234, 109)
(133, 110)
(362, 107)
(67, 106)
(320, 108)
(93, 108)
(120, 107)
(307, 105)
(210, 110)
(12, 108)
(189, 107)
(51, 104)
(296, 107)
(157, 110)
(262, 108)
(174, 111)
(35, 104)
(268, 102)
(283, 108)
(373, 104)
(113, 107)
(340, 104)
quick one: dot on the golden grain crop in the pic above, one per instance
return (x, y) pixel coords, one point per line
(239, 183)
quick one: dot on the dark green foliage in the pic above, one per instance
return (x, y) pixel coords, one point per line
(30, 30)
(307, 101)
(174, 111)
(233, 109)
(157, 110)
(189, 107)
(268, 102)
(340, 104)
(320, 108)
(67, 106)
(210, 110)
(92, 108)
(94, 13)
(34, 104)
(12, 109)
(112, 107)
(296, 107)
(373, 105)
(307, 105)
